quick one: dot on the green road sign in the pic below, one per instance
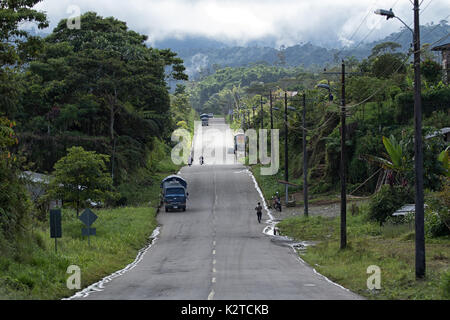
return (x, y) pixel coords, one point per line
(55, 223)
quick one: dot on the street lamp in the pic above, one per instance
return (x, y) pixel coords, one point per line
(326, 86)
(389, 15)
(418, 152)
(305, 156)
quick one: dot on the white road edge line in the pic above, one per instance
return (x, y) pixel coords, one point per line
(273, 225)
(99, 286)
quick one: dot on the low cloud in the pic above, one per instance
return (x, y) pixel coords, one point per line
(325, 22)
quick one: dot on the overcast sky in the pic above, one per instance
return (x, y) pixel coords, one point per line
(238, 21)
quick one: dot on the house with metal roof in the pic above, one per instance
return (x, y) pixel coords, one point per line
(444, 47)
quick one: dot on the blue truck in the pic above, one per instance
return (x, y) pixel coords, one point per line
(205, 119)
(174, 193)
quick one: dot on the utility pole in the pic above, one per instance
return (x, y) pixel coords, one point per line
(418, 158)
(286, 169)
(305, 160)
(254, 119)
(343, 173)
(271, 113)
(262, 114)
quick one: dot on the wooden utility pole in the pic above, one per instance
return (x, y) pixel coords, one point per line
(286, 169)
(262, 114)
(343, 166)
(271, 112)
(418, 158)
(305, 160)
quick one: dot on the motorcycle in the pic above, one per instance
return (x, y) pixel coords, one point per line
(201, 161)
(277, 204)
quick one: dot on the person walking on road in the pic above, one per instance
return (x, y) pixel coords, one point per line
(259, 212)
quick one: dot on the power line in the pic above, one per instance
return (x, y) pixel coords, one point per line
(385, 84)
(367, 35)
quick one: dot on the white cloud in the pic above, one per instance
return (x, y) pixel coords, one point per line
(240, 21)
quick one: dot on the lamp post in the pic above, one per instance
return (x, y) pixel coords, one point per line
(286, 168)
(418, 152)
(271, 108)
(305, 160)
(343, 244)
(305, 156)
(262, 114)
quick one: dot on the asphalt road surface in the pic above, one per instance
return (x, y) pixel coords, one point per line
(216, 248)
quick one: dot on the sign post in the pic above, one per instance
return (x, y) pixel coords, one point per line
(55, 226)
(88, 218)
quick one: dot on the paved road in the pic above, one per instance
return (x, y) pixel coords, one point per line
(217, 250)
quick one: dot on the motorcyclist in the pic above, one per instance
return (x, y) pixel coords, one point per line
(277, 201)
(201, 160)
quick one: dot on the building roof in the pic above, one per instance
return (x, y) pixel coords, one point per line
(438, 133)
(36, 177)
(443, 45)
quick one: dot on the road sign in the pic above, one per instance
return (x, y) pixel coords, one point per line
(55, 226)
(55, 223)
(89, 231)
(88, 217)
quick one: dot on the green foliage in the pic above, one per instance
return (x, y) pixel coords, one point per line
(17, 47)
(445, 284)
(431, 70)
(81, 176)
(102, 88)
(384, 47)
(433, 100)
(386, 65)
(15, 205)
(443, 158)
(34, 271)
(389, 199)
(437, 215)
(228, 78)
(16, 43)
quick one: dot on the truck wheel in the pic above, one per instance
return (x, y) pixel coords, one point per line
(167, 209)
(184, 209)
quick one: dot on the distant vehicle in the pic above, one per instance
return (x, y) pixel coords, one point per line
(211, 115)
(173, 194)
(239, 143)
(205, 119)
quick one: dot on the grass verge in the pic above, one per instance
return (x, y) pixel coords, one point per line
(390, 247)
(35, 271)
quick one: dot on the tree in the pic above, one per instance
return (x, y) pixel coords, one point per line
(81, 176)
(386, 65)
(15, 206)
(431, 70)
(17, 47)
(397, 160)
(384, 48)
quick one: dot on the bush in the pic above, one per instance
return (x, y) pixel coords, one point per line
(445, 284)
(437, 215)
(434, 226)
(387, 201)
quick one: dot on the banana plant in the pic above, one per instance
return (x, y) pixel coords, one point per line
(396, 159)
(444, 159)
